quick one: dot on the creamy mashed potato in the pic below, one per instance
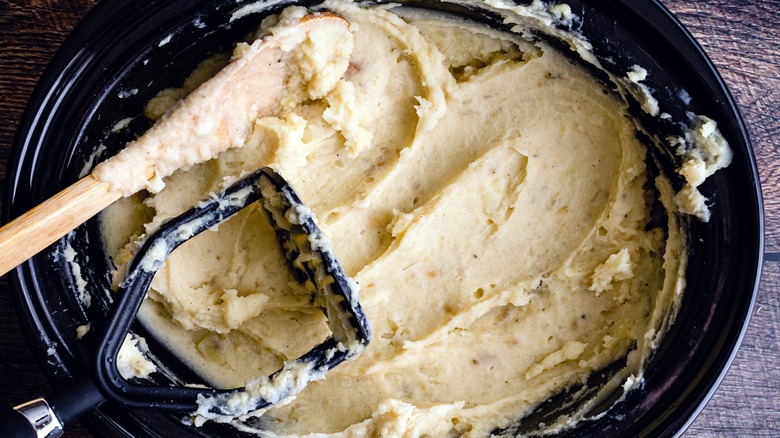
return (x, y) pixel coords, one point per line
(490, 198)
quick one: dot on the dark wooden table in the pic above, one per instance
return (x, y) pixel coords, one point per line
(739, 35)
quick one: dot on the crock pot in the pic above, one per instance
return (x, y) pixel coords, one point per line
(125, 51)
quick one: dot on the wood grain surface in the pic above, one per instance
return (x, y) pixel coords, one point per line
(739, 35)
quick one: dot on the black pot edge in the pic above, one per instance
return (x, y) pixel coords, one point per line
(758, 200)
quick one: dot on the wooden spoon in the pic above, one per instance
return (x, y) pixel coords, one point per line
(213, 118)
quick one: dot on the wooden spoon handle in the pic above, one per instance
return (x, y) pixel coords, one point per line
(33, 231)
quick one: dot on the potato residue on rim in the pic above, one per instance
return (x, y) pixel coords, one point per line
(488, 195)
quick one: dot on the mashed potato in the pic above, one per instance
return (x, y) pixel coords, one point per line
(488, 195)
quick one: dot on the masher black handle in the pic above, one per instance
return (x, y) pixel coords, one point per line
(15, 424)
(33, 419)
(42, 418)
